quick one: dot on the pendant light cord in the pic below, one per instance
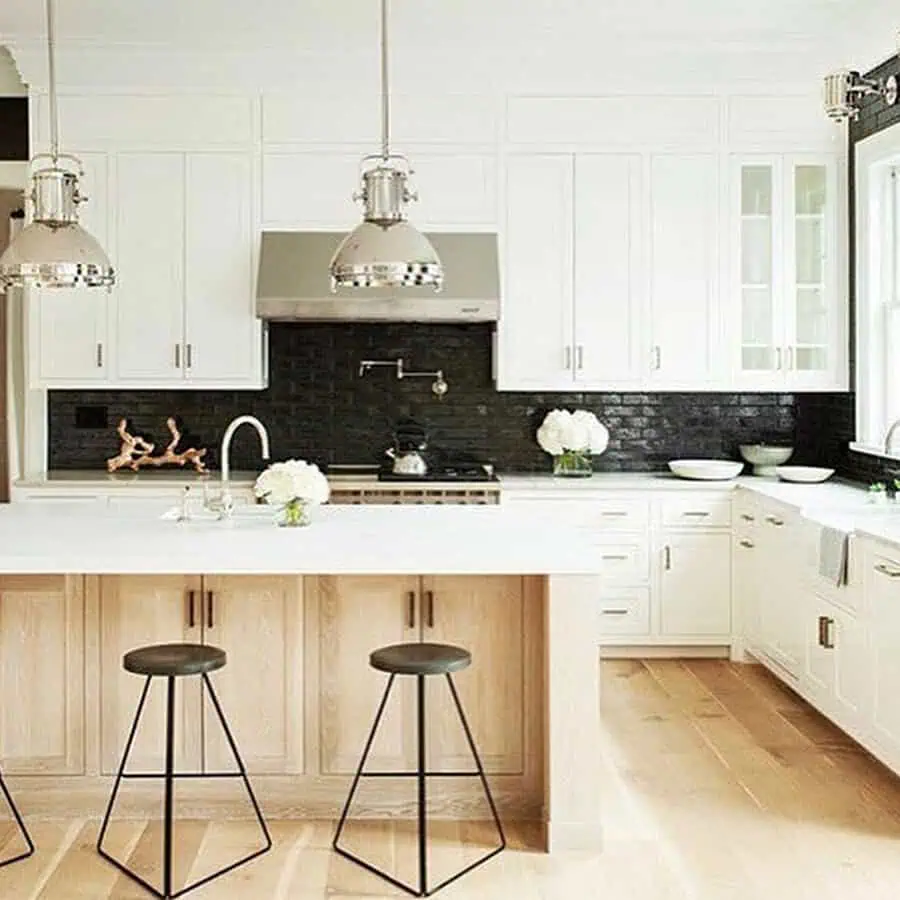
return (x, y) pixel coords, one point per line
(385, 102)
(51, 68)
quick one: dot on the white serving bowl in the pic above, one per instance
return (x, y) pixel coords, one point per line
(764, 458)
(803, 474)
(706, 469)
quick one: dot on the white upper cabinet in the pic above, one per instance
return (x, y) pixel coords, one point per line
(683, 271)
(149, 294)
(790, 331)
(607, 293)
(535, 330)
(222, 336)
(69, 327)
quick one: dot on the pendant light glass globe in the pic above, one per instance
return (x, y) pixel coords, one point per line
(55, 251)
(385, 250)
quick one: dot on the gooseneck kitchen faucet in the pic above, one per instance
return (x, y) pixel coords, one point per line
(227, 499)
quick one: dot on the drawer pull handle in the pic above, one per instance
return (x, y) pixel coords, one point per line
(411, 609)
(747, 517)
(667, 556)
(748, 544)
(774, 520)
(616, 556)
(887, 570)
(695, 514)
(615, 612)
(614, 514)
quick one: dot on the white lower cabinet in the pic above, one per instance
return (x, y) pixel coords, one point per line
(695, 586)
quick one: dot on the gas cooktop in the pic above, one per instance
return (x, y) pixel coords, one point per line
(467, 472)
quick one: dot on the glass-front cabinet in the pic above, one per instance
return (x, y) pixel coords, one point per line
(793, 320)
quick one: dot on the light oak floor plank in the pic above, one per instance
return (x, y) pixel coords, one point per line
(719, 783)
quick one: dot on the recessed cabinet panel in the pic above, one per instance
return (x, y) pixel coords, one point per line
(149, 295)
(607, 288)
(310, 190)
(535, 330)
(221, 342)
(684, 217)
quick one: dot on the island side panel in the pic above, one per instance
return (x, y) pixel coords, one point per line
(572, 690)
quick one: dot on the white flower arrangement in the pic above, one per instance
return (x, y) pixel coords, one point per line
(292, 482)
(564, 432)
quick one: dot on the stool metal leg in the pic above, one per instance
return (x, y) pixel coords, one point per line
(21, 826)
(421, 775)
(170, 776)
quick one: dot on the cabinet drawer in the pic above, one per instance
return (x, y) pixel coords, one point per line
(622, 560)
(623, 612)
(596, 514)
(696, 511)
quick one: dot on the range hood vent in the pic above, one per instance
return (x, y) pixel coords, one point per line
(294, 282)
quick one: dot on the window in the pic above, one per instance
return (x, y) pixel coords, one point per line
(878, 291)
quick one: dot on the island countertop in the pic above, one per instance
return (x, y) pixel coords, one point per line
(85, 538)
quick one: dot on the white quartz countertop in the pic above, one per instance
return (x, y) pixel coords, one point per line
(86, 538)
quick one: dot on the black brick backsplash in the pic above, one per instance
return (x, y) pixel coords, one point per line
(318, 407)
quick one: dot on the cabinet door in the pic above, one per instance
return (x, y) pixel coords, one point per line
(310, 190)
(456, 190)
(758, 238)
(136, 610)
(258, 621)
(149, 296)
(222, 338)
(42, 674)
(883, 596)
(746, 581)
(356, 615)
(684, 204)
(68, 329)
(821, 657)
(607, 291)
(695, 599)
(484, 614)
(535, 332)
(814, 354)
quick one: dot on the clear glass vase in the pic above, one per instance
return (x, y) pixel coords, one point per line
(573, 464)
(294, 514)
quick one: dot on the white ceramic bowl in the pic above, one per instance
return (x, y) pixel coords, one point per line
(803, 474)
(764, 458)
(706, 469)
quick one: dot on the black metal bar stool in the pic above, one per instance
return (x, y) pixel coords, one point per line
(171, 661)
(420, 660)
(19, 823)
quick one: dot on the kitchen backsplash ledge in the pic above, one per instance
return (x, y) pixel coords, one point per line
(319, 408)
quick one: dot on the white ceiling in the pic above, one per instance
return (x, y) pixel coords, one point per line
(810, 36)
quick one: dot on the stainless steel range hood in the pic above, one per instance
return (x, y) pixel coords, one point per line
(294, 282)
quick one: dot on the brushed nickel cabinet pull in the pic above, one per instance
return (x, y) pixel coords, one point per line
(579, 354)
(619, 556)
(774, 520)
(192, 615)
(887, 570)
(745, 543)
(778, 357)
(189, 355)
(695, 514)
(411, 609)
(614, 514)
(614, 612)
(567, 358)
(210, 622)
(178, 356)
(99, 355)
(657, 357)
(826, 638)
(429, 600)
(667, 554)
(747, 517)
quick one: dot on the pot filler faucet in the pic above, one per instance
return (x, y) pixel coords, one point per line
(227, 499)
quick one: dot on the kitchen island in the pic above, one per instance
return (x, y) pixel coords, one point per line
(297, 611)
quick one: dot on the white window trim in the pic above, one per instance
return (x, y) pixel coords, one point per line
(876, 156)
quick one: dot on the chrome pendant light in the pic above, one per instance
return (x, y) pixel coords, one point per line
(54, 250)
(385, 250)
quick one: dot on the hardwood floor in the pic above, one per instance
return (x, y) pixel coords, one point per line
(719, 784)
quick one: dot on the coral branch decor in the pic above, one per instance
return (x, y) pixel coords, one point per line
(136, 452)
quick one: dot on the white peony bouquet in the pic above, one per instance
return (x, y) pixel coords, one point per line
(293, 485)
(571, 438)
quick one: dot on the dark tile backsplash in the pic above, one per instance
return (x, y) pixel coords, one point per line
(319, 408)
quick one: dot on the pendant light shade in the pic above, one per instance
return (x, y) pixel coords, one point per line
(385, 250)
(54, 250)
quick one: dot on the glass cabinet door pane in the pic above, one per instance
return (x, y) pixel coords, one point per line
(758, 331)
(811, 313)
